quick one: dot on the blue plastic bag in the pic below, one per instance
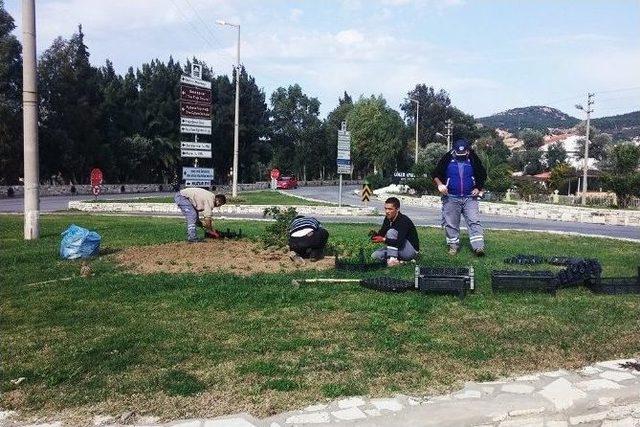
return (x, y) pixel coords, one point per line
(78, 242)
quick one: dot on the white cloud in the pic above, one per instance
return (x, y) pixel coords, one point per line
(349, 37)
(295, 14)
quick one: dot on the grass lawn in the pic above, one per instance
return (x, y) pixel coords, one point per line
(203, 345)
(263, 197)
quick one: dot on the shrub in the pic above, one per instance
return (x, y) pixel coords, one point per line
(377, 181)
(275, 234)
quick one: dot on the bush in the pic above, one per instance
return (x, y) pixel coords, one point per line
(421, 185)
(377, 181)
(276, 233)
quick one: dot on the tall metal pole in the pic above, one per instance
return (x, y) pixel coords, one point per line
(236, 128)
(585, 165)
(417, 121)
(30, 122)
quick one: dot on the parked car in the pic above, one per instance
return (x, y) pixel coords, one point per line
(286, 183)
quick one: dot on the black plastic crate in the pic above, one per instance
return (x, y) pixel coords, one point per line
(523, 281)
(616, 285)
(387, 284)
(445, 280)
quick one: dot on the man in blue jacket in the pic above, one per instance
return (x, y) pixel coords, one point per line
(460, 178)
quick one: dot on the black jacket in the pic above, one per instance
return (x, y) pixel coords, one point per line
(406, 231)
(479, 172)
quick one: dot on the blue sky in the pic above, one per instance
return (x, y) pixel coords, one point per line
(489, 55)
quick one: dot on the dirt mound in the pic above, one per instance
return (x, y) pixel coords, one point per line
(240, 257)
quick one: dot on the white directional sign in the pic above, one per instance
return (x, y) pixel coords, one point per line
(192, 183)
(195, 82)
(343, 159)
(195, 129)
(188, 145)
(195, 122)
(195, 153)
(197, 174)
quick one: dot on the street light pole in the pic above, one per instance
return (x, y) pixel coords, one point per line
(449, 125)
(417, 121)
(236, 125)
(30, 123)
(585, 164)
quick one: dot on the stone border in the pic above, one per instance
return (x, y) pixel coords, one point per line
(605, 393)
(171, 208)
(536, 211)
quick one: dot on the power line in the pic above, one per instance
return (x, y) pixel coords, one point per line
(196, 30)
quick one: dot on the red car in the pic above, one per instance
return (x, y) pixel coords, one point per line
(286, 183)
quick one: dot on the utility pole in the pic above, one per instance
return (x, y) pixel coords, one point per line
(449, 123)
(417, 121)
(30, 122)
(585, 164)
(236, 125)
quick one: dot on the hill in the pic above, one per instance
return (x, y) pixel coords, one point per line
(535, 117)
(622, 126)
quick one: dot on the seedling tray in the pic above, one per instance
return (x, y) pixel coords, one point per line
(525, 259)
(387, 284)
(616, 285)
(444, 280)
(523, 281)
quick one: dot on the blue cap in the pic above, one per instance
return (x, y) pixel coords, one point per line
(461, 146)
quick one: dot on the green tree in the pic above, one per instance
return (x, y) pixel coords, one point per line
(294, 129)
(435, 110)
(532, 139)
(330, 126)
(10, 101)
(597, 145)
(555, 155)
(376, 133)
(71, 140)
(561, 175)
(254, 151)
(428, 158)
(622, 175)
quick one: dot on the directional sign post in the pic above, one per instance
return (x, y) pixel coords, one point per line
(195, 118)
(343, 159)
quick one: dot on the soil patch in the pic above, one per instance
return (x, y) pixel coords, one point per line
(241, 257)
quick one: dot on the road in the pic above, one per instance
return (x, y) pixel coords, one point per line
(420, 216)
(431, 216)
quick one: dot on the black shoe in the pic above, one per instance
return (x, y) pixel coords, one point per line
(479, 252)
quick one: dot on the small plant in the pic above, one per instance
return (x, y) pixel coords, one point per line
(275, 234)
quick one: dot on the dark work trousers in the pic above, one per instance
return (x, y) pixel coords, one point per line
(310, 246)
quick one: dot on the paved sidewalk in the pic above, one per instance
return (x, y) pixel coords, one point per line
(603, 394)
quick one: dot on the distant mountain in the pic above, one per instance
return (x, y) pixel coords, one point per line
(622, 126)
(535, 117)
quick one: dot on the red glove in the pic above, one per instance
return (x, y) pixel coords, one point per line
(213, 234)
(377, 239)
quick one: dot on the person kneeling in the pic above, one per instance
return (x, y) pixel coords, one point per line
(307, 239)
(398, 233)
